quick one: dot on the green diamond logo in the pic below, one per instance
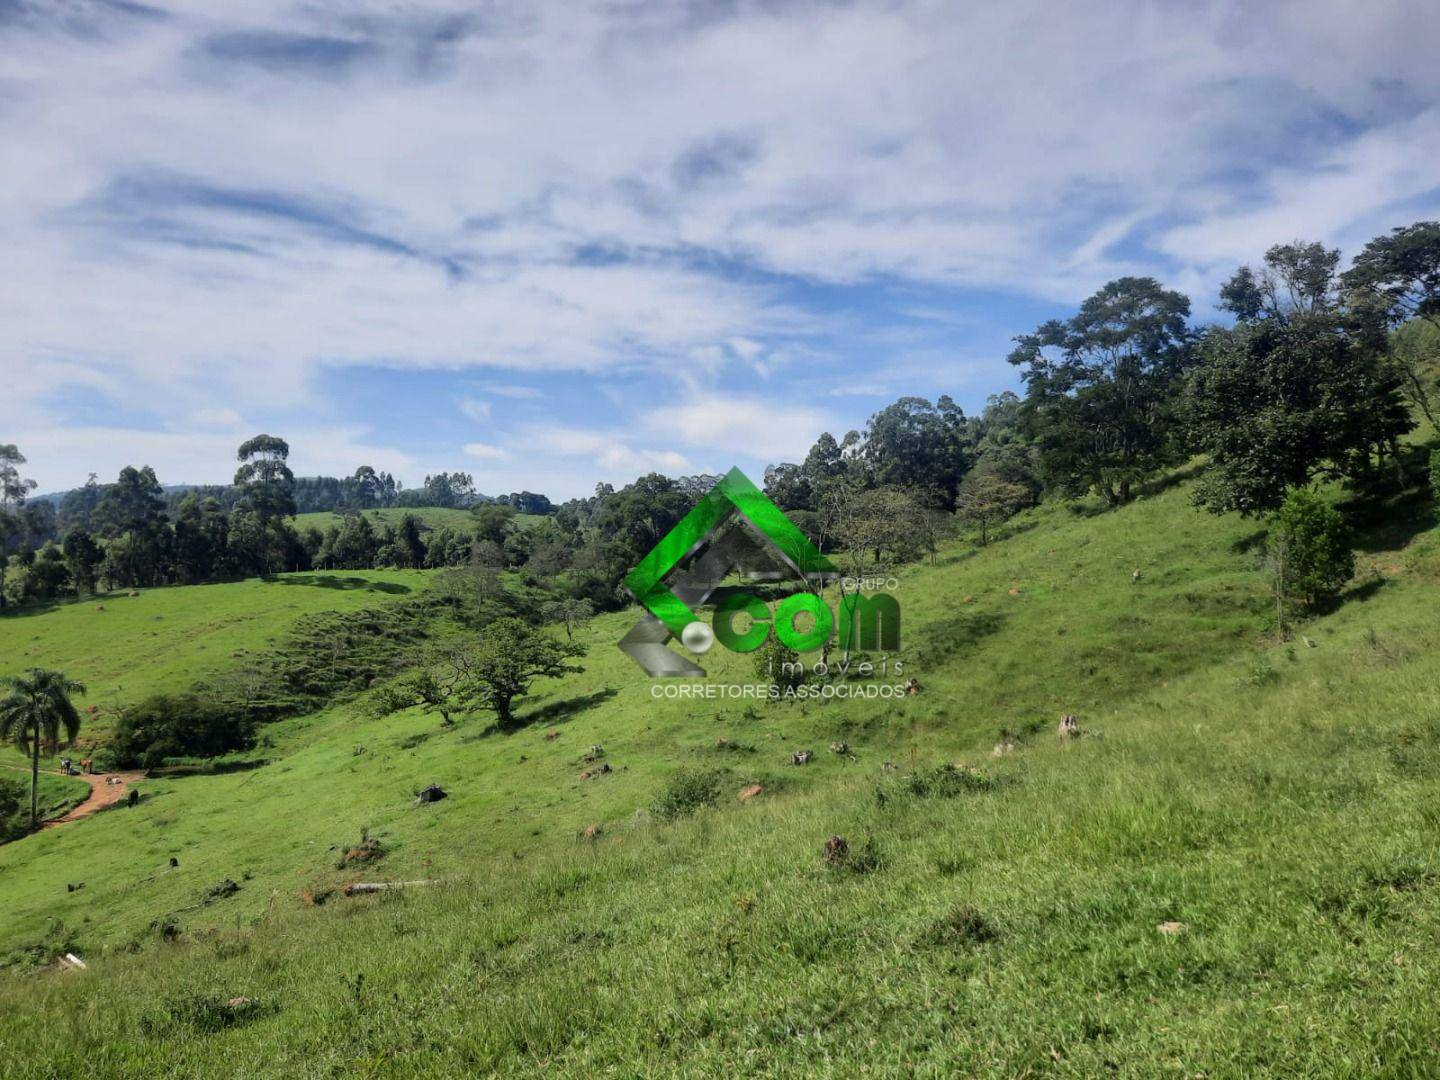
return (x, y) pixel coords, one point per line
(670, 613)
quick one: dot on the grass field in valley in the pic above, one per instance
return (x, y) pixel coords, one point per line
(1231, 875)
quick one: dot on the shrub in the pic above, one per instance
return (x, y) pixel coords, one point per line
(1435, 474)
(14, 810)
(687, 791)
(1308, 552)
(205, 1013)
(960, 927)
(179, 725)
(947, 781)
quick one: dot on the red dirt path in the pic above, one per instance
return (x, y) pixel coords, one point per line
(101, 793)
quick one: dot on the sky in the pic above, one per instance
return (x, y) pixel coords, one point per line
(555, 244)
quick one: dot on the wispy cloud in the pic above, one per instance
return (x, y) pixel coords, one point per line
(214, 206)
(486, 452)
(476, 410)
(612, 452)
(510, 390)
(725, 424)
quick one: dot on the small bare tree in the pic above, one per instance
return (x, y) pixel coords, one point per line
(570, 613)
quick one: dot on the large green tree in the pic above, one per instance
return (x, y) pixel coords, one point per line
(1399, 275)
(366, 488)
(507, 659)
(1401, 271)
(1300, 387)
(265, 478)
(82, 558)
(202, 539)
(1298, 278)
(916, 444)
(448, 489)
(132, 517)
(36, 714)
(1100, 387)
(268, 493)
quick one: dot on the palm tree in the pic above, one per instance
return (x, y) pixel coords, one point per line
(32, 715)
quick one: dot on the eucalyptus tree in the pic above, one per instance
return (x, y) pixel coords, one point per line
(265, 477)
(13, 490)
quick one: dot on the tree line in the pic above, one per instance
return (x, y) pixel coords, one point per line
(136, 533)
(1318, 375)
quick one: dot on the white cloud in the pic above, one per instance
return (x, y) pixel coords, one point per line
(511, 390)
(226, 419)
(608, 450)
(1341, 200)
(486, 452)
(758, 429)
(476, 410)
(210, 211)
(566, 461)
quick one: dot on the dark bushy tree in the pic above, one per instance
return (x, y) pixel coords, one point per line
(179, 725)
(1401, 271)
(915, 444)
(1276, 402)
(366, 488)
(82, 557)
(1399, 276)
(202, 538)
(1100, 387)
(449, 489)
(132, 517)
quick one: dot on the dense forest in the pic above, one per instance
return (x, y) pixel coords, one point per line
(1318, 376)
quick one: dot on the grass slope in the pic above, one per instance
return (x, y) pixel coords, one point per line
(1276, 801)
(164, 639)
(58, 794)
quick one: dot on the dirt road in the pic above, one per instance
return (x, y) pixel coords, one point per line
(106, 789)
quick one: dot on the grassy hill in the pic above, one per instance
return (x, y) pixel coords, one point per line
(57, 793)
(1231, 874)
(125, 647)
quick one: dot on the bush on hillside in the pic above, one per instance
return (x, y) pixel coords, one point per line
(687, 791)
(946, 781)
(179, 725)
(331, 653)
(1435, 474)
(14, 810)
(1308, 552)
